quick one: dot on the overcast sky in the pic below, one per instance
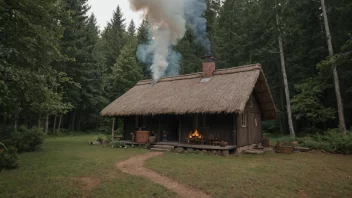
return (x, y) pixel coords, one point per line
(103, 10)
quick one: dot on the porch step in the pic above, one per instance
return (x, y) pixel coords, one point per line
(159, 150)
(162, 148)
(254, 151)
(268, 150)
(302, 149)
(167, 147)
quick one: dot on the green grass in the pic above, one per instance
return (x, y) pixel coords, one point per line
(57, 171)
(269, 175)
(66, 162)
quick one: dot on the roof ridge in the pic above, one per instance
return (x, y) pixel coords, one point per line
(217, 72)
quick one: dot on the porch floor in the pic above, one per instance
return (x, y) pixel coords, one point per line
(130, 143)
(196, 146)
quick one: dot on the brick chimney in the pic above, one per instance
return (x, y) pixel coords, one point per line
(208, 66)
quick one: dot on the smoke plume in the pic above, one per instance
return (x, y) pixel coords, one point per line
(167, 22)
(194, 10)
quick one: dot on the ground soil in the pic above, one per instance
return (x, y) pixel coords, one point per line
(87, 183)
(134, 166)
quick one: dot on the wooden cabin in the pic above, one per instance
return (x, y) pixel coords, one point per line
(226, 105)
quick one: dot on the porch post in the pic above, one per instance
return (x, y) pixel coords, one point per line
(159, 132)
(113, 129)
(179, 129)
(235, 129)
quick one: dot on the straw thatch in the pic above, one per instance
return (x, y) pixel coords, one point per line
(227, 92)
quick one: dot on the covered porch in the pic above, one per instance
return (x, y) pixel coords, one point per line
(199, 131)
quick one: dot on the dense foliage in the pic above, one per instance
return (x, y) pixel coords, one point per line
(333, 141)
(8, 157)
(58, 70)
(24, 139)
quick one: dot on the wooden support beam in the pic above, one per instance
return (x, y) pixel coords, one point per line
(113, 129)
(179, 129)
(234, 129)
(159, 128)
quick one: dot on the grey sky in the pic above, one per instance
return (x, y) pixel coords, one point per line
(103, 10)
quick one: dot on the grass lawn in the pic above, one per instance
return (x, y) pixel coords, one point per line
(269, 175)
(69, 167)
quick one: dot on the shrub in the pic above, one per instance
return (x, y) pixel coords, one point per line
(100, 140)
(8, 157)
(26, 140)
(333, 141)
(118, 144)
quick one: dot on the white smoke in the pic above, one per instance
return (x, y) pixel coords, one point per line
(167, 21)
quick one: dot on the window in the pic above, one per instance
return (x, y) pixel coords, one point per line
(244, 121)
(255, 122)
(140, 122)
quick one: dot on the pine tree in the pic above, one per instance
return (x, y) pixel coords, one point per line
(191, 61)
(125, 73)
(131, 31)
(142, 38)
(114, 37)
(142, 32)
(78, 43)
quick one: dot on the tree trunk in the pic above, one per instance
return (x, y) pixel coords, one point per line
(284, 75)
(40, 120)
(46, 123)
(54, 127)
(96, 124)
(113, 129)
(283, 122)
(342, 124)
(73, 121)
(59, 125)
(79, 123)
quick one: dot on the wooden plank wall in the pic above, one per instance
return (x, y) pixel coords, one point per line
(221, 125)
(253, 132)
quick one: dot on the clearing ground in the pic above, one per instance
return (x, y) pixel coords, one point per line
(135, 165)
(268, 175)
(69, 167)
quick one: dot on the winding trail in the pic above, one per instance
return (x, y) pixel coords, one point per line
(134, 166)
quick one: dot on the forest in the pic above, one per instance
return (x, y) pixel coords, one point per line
(58, 70)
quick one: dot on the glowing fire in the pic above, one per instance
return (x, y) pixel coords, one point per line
(195, 134)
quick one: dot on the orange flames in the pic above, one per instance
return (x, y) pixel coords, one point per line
(195, 134)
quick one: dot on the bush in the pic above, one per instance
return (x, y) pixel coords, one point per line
(8, 157)
(100, 140)
(333, 141)
(26, 140)
(118, 144)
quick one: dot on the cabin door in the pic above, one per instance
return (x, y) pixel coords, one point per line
(254, 132)
(258, 127)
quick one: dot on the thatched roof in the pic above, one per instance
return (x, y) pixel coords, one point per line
(227, 92)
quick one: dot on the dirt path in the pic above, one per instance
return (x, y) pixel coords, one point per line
(134, 166)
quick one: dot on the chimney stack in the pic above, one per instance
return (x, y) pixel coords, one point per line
(208, 66)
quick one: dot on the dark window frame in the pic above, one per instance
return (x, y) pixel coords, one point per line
(244, 121)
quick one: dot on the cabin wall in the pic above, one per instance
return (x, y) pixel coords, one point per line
(179, 127)
(251, 133)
